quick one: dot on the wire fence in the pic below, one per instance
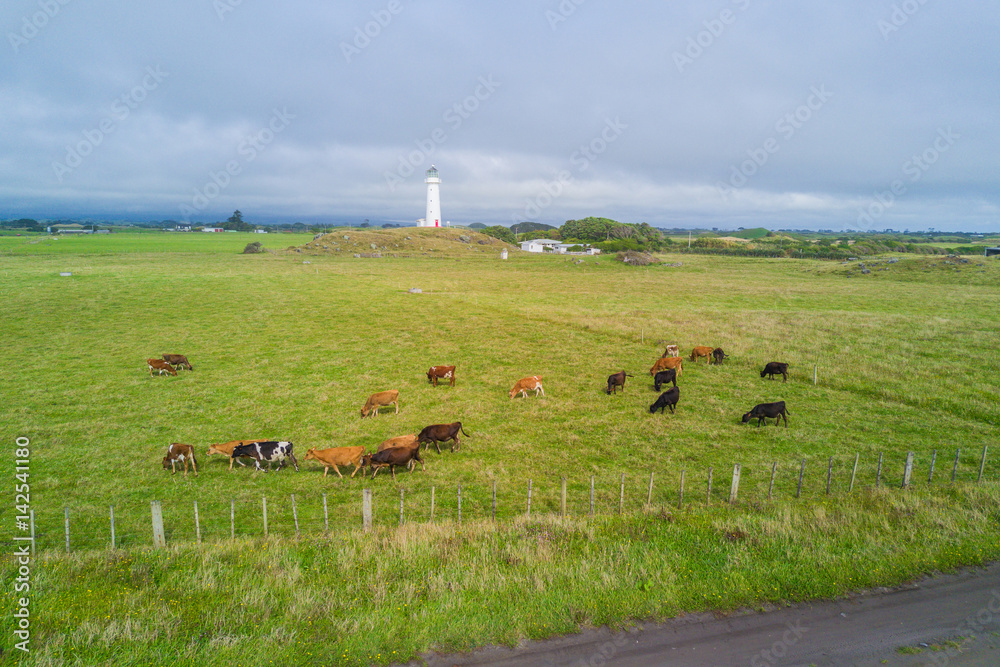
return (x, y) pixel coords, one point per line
(120, 523)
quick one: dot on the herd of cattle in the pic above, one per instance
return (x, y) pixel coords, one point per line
(404, 450)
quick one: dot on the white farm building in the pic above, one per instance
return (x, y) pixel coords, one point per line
(548, 245)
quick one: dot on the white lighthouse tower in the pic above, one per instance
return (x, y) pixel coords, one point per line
(433, 218)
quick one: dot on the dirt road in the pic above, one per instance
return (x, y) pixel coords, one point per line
(950, 620)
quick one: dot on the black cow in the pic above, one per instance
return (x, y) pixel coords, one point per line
(775, 368)
(437, 433)
(617, 380)
(392, 457)
(663, 377)
(270, 451)
(765, 411)
(718, 355)
(666, 399)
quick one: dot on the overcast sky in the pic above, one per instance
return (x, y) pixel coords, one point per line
(850, 114)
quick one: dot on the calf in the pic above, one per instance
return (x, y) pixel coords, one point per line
(775, 368)
(672, 351)
(226, 449)
(380, 400)
(701, 351)
(718, 355)
(663, 363)
(160, 366)
(441, 373)
(667, 399)
(617, 380)
(270, 451)
(663, 377)
(524, 385)
(765, 411)
(178, 360)
(183, 453)
(438, 433)
(337, 456)
(392, 457)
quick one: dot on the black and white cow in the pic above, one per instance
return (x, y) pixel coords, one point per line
(270, 451)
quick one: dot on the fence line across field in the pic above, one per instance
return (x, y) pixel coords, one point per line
(159, 529)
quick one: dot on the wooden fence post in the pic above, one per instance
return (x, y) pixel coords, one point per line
(562, 498)
(649, 493)
(494, 500)
(264, 511)
(908, 470)
(930, 475)
(197, 523)
(112, 507)
(432, 504)
(815, 368)
(708, 496)
(621, 497)
(878, 473)
(829, 475)
(326, 516)
(460, 503)
(854, 471)
(67, 528)
(232, 518)
(529, 498)
(982, 465)
(734, 488)
(366, 509)
(680, 497)
(295, 516)
(954, 468)
(770, 487)
(400, 506)
(159, 541)
(802, 472)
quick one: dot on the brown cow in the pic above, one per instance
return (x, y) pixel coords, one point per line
(664, 363)
(410, 440)
(443, 373)
(160, 366)
(337, 456)
(702, 351)
(438, 433)
(380, 400)
(524, 385)
(178, 360)
(183, 453)
(226, 449)
(392, 457)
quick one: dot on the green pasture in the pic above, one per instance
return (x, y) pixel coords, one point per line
(289, 347)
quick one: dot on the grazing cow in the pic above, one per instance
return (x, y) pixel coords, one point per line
(663, 363)
(381, 400)
(441, 373)
(765, 411)
(663, 377)
(226, 449)
(718, 355)
(438, 433)
(271, 451)
(701, 351)
(337, 456)
(775, 368)
(617, 380)
(160, 366)
(672, 351)
(392, 457)
(524, 385)
(178, 360)
(183, 453)
(667, 399)
(410, 441)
